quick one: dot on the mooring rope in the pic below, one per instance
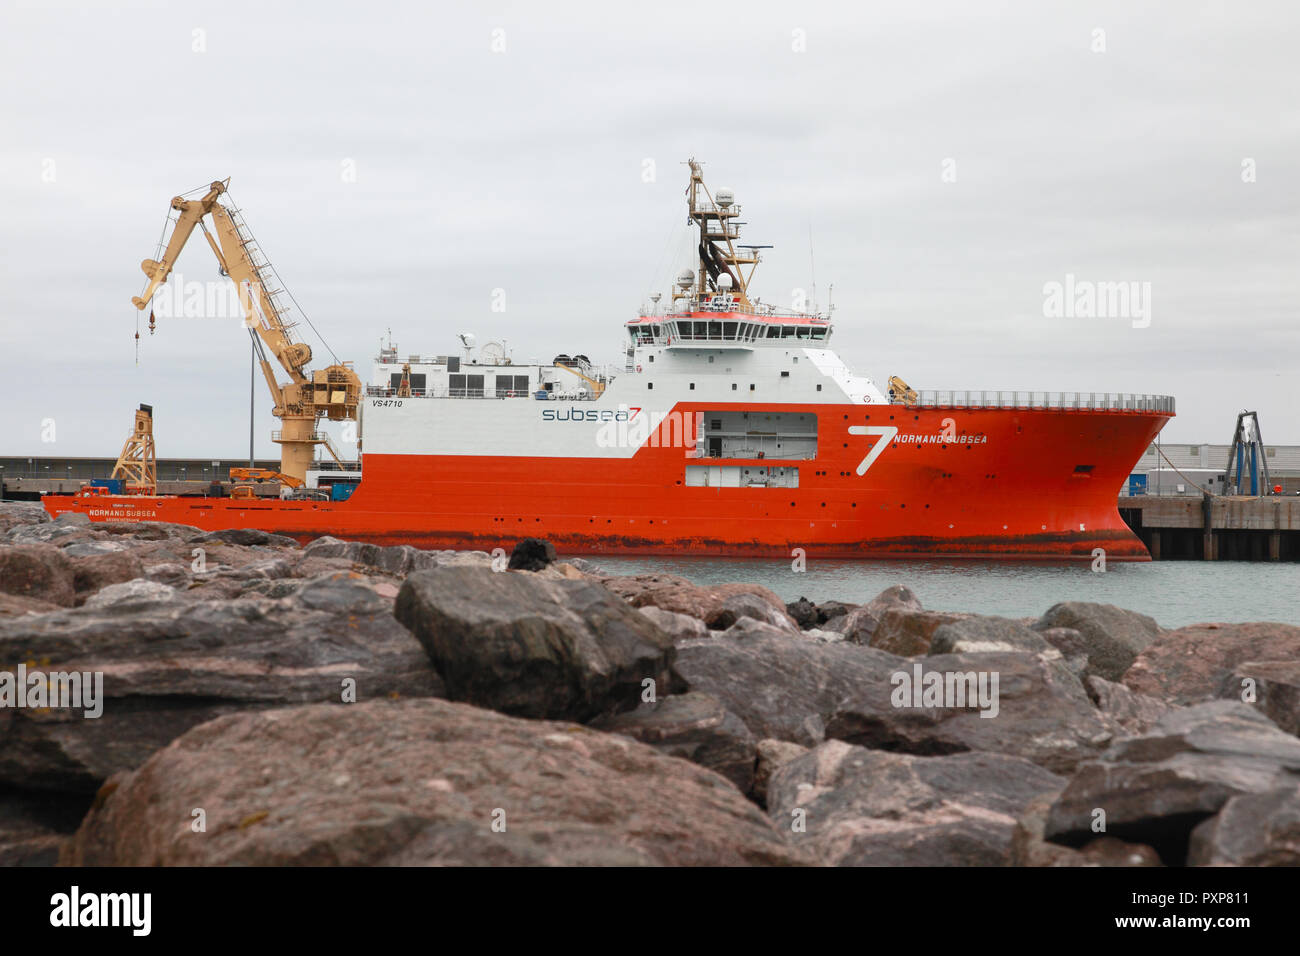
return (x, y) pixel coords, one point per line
(1175, 468)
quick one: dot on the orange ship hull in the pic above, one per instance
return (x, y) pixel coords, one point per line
(1031, 483)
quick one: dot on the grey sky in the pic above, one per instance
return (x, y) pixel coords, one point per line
(523, 170)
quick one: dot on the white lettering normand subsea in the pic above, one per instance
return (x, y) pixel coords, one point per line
(941, 439)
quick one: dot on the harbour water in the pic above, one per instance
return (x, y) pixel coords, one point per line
(1175, 593)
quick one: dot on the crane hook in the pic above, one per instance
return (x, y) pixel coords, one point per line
(152, 326)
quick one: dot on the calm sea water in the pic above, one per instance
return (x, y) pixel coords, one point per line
(1175, 593)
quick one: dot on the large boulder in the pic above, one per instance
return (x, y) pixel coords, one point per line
(534, 647)
(1030, 848)
(1276, 690)
(169, 665)
(719, 605)
(419, 783)
(832, 615)
(631, 587)
(14, 604)
(158, 531)
(680, 627)
(860, 624)
(245, 537)
(397, 560)
(781, 685)
(1193, 663)
(983, 635)
(857, 807)
(908, 631)
(1111, 637)
(93, 547)
(140, 592)
(14, 514)
(64, 530)
(1037, 709)
(695, 727)
(1133, 713)
(39, 571)
(771, 756)
(1153, 789)
(805, 691)
(92, 572)
(1253, 829)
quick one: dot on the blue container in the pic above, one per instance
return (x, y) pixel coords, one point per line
(114, 485)
(341, 490)
(1137, 484)
(542, 395)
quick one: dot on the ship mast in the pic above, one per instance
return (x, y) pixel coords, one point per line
(719, 256)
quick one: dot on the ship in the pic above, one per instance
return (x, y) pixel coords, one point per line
(727, 426)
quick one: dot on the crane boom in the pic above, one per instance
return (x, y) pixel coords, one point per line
(333, 392)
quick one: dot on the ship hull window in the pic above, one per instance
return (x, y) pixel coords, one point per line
(761, 435)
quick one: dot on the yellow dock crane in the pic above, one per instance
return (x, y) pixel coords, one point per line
(332, 393)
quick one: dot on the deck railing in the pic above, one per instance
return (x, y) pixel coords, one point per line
(1097, 401)
(379, 391)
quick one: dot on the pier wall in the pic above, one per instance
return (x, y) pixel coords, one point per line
(1216, 528)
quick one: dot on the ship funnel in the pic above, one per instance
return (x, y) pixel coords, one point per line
(725, 197)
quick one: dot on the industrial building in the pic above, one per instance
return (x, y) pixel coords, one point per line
(1205, 465)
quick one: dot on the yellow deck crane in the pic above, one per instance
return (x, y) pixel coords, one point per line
(137, 466)
(332, 393)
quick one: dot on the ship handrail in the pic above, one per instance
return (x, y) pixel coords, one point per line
(762, 310)
(385, 391)
(1063, 401)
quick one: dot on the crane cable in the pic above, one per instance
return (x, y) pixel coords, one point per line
(157, 251)
(285, 287)
(1180, 474)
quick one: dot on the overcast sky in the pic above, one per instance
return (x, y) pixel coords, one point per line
(949, 160)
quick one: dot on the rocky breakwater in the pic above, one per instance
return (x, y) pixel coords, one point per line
(252, 701)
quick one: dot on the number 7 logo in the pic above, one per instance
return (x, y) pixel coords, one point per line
(886, 433)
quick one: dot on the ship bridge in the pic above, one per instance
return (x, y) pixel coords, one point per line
(710, 305)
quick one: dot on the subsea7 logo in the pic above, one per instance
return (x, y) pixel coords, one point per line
(886, 433)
